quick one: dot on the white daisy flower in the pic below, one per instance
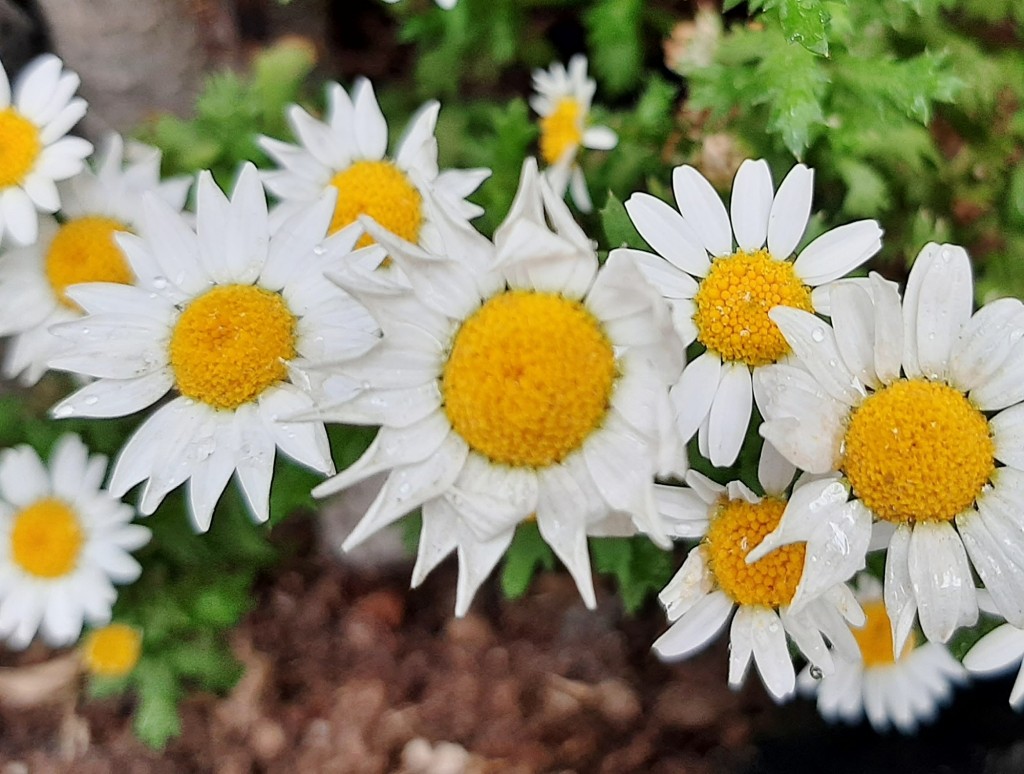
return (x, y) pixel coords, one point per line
(723, 300)
(347, 153)
(96, 205)
(34, 153)
(717, 579)
(918, 408)
(64, 542)
(900, 692)
(217, 316)
(562, 100)
(446, 4)
(513, 380)
(999, 651)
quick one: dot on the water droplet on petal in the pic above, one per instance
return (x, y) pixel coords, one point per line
(90, 400)
(818, 335)
(815, 671)
(160, 283)
(319, 250)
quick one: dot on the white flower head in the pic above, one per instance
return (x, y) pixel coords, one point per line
(562, 99)
(900, 692)
(347, 153)
(64, 543)
(918, 407)
(514, 379)
(96, 204)
(219, 313)
(34, 152)
(717, 578)
(722, 290)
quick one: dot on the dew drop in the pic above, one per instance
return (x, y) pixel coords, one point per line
(818, 335)
(160, 283)
(90, 400)
(815, 671)
(319, 250)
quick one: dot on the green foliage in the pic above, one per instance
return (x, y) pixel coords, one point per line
(619, 230)
(639, 567)
(230, 112)
(527, 554)
(614, 35)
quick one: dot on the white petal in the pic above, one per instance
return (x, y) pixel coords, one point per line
(599, 138)
(115, 397)
(697, 626)
(994, 562)
(985, 342)
(371, 129)
(941, 580)
(20, 215)
(998, 651)
(943, 309)
(771, 653)
(814, 343)
(900, 600)
(752, 193)
(694, 393)
(790, 212)
(438, 537)
(888, 329)
(837, 252)
(566, 533)
(853, 322)
(774, 472)
(476, 561)
(23, 479)
(668, 233)
(730, 412)
(703, 210)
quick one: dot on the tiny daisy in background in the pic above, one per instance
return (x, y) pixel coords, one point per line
(562, 100)
(34, 153)
(515, 380)
(96, 204)
(717, 579)
(112, 651)
(721, 292)
(918, 406)
(899, 692)
(64, 542)
(217, 315)
(347, 154)
(446, 4)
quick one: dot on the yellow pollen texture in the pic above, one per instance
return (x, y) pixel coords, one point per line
(875, 637)
(529, 377)
(46, 539)
(917, 451)
(735, 530)
(382, 191)
(561, 129)
(19, 147)
(230, 344)
(733, 302)
(112, 651)
(84, 250)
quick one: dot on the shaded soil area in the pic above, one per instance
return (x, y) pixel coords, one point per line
(348, 671)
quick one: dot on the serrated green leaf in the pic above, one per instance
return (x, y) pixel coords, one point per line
(156, 715)
(527, 554)
(619, 230)
(804, 22)
(613, 32)
(794, 88)
(639, 567)
(867, 190)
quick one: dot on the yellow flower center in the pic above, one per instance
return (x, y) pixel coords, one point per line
(917, 451)
(382, 191)
(46, 539)
(529, 377)
(231, 344)
(19, 147)
(875, 637)
(112, 651)
(561, 129)
(736, 528)
(733, 302)
(84, 250)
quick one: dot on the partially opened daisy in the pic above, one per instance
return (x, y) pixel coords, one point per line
(217, 316)
(900, 692)
(716, 580)
(97, 204)
(918, 408)
(721, 291)
(512, 381)
(347, 153)
(998, 652)
(64, 543)
(562, 100)
(34, 153)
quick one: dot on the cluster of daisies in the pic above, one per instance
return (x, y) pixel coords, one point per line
(518, 378)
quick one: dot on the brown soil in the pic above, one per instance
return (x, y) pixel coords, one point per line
(351, 673)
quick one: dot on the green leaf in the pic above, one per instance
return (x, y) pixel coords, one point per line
(639, 567)
(794, 87)
(867, 190)
(614, 35)
(527, 553)
(804, 22)
(619, 230)
(156, 715)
